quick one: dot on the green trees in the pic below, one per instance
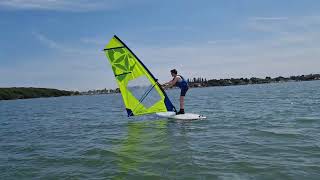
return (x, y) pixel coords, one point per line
(25, 93)
(200, 82)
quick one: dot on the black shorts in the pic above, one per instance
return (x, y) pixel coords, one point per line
(184, 91)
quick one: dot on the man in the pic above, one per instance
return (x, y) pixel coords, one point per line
(179, 81)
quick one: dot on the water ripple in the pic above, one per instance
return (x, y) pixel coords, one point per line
(268, 131)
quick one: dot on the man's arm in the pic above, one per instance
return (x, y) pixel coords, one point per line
(166, 85)
(172, 82)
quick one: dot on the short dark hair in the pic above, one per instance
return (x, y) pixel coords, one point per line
(174, 71)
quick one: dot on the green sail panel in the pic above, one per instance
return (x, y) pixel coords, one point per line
(140, 90)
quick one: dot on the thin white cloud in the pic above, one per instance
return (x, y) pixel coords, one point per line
(48, 42)
(284, 25)
(267, 24)
(63, 48)
(63, 5)
(220, 42)
(96, 41)
(269, 18)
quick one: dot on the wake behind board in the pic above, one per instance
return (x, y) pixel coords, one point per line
(186, 116)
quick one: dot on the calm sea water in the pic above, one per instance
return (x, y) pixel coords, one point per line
(269, 131)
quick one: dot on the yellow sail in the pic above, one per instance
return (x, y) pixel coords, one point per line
(140, 90)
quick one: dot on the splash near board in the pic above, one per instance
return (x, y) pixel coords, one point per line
(140, 90)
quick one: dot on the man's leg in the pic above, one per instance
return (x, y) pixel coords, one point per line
(181, 102)
(183, 93)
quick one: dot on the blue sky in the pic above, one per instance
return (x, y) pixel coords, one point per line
(57, 43)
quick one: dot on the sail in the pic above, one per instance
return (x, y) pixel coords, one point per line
(140, 90)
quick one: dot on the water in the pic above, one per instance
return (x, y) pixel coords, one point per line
(269, 131)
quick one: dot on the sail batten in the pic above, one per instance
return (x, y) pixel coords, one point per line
(130, 74)
(113, 48)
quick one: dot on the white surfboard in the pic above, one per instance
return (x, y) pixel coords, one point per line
(186, 116)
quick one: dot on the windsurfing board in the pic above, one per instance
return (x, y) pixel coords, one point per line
(186, 116)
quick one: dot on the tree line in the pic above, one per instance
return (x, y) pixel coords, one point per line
(203, 82)
(29, 92)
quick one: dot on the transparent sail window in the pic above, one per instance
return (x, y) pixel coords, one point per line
(144, 91)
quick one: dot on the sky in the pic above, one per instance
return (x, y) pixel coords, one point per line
(58, 43)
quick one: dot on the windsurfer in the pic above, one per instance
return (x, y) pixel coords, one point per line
(180, 82)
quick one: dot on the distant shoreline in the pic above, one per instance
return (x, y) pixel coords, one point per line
(30, 92)
(201, 82)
